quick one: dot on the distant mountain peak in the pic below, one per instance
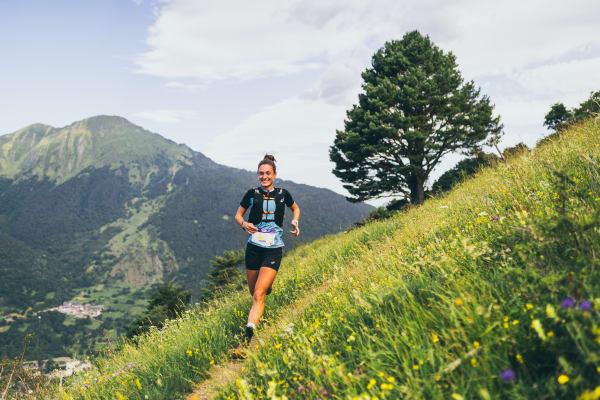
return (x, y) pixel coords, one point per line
(103, 140)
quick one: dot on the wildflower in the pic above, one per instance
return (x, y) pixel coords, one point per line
(456, 396)
(391, 379)
(189, 353)
(586, 305)
(495, 218)
(519, 358)
(567, 302)
(550, 313)
(458, 302)
(476, 344)
(508, 375)
(300, 388)
(562, 379)
(212, 362)
(380, 374)
(529, 306)
(435, 338)
(473, 362)
(371, 383)
(386, 386)
(415, 367)
(550, 334)
(138, 384)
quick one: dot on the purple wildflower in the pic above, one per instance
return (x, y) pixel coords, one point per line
(324, 393)
(310, 387)
(568, 302)
(320, 389)
(586, 305)
(322, 370)
(300, 388)
(508, 375)
(495, 218)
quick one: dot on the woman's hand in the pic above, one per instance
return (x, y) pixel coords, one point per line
(296, 230)
(249, 227)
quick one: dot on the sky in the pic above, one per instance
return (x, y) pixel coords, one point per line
(235, 80)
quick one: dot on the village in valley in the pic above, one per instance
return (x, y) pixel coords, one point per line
(79, 310)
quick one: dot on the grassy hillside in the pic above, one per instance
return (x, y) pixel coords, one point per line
(100, 210)
(488, 292)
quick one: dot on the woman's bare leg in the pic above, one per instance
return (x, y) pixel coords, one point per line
(252, 276)
(266, 276)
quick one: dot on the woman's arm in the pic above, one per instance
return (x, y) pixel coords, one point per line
(247, 226)
(296, 211)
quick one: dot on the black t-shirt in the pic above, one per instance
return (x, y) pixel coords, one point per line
(287, 197)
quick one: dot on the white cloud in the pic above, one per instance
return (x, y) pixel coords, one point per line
(298, 132)
(168, 116)
(524, 55)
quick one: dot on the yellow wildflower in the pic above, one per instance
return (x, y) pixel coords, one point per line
(519, 358)
(529, 306)
(458, 302)
(189, 353)
(456, 396)
(476, 344)
(372, 383)
(391, 379)
(435, 338)
(138, 383)
(212, 362)
(515, 322)
(562, 379)
(473, 362)
(415, 367)
(380, 374)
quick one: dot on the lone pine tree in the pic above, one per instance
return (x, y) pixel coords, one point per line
(414, 109)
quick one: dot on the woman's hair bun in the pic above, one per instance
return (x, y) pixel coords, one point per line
(269, 157)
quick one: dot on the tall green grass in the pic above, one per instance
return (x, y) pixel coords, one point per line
(490, 292)
(166, 363)
(437, 302)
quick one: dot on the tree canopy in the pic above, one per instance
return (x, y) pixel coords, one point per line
(414, 109)
(167, 301)
(560, 117)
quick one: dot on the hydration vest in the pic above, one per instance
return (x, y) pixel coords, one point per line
(257, 214)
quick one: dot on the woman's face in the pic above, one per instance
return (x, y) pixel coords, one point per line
(266, 176)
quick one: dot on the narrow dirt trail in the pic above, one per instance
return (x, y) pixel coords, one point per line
(224, 374)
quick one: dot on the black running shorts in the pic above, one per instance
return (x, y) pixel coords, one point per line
(257, 257)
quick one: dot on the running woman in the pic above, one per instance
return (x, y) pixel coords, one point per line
(264, 249)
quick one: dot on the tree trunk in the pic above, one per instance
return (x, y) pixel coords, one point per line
(420, 191)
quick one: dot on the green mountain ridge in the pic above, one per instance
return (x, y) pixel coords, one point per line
(61, 153)
(101, 209)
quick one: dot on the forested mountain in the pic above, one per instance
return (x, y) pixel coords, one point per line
(99, 210)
